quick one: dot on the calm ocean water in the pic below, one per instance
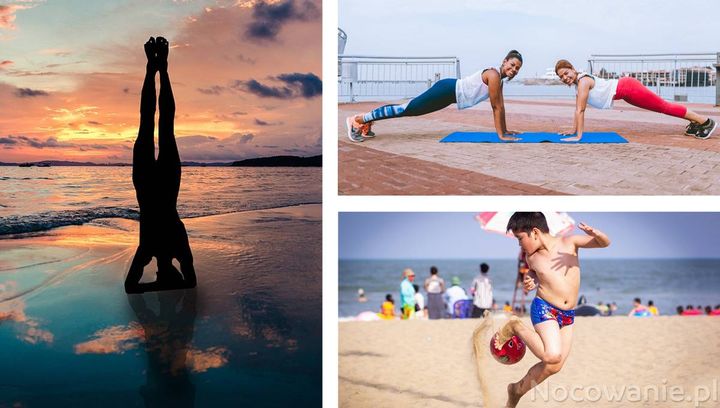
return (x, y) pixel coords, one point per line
(36, 198)
(668, 283)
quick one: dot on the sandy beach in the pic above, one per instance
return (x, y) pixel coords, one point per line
(74, 338)
(431, 364)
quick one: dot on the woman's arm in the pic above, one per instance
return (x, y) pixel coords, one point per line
(584, 86)
(492, 78)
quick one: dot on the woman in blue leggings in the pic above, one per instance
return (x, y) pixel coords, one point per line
(465, 92)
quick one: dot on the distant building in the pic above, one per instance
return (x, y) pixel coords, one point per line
(695, 76)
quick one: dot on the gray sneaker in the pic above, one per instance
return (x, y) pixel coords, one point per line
(706, 129)
(353, 132)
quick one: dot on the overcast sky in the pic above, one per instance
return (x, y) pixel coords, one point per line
(458, 236)
(481, 33)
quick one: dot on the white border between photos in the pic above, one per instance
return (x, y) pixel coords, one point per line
(330, 208)
(333, 205)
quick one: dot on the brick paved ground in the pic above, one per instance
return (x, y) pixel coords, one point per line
(407, 158)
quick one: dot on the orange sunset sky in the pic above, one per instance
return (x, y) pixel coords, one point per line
(246, 75)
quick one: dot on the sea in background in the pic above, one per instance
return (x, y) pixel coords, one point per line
(41, 198)
(250, 334)
(668, 282)
(517, 90)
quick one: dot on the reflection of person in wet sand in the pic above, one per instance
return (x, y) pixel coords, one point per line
(157, 183)
(168, 335)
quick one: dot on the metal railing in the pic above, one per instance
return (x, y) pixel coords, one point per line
(386, 78)
(678, 77)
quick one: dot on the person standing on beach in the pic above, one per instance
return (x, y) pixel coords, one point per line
(481, 291)
(407, 294)
(454, 293)
(157, 184)
(435, 288)
(465, 92)
(420, 308)
(600, 93)
(555, 273)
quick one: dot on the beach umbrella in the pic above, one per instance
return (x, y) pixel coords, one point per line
(560, 223)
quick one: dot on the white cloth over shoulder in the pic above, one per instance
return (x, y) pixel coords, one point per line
(470, 91)
(602, 93)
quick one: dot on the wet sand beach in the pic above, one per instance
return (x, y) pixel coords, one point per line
(69, 335)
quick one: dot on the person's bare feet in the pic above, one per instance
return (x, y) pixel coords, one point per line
(151, 53)
(513, 395)
(163, 49)
(506, 332)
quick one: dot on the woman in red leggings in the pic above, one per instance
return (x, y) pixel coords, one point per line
(600, 93)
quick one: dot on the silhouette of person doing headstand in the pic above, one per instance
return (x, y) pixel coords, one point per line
(157, 183)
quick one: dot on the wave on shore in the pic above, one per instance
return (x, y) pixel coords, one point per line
(22, 224)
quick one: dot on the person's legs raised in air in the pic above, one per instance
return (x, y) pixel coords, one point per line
(143, 170)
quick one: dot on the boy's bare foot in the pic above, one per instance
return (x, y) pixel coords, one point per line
(506, 332)
(513, 395)
(163, 49)
(151, 53)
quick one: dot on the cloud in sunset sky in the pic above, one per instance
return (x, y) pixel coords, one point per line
(246, 76)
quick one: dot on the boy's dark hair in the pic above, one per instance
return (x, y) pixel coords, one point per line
(484, 267)
(637, 300)
(389, 298)
(689, 307)
(417, 288)
(708, 309)
(650, 303)
(433, 270)
(526, 221)
(679, 309)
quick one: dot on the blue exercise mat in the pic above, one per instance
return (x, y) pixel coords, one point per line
(532, 137)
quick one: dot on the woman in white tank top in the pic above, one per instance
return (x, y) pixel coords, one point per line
(600, 93)
(465, 92)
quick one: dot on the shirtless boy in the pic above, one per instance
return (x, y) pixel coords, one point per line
(555, 273)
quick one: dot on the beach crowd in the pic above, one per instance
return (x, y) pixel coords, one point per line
(452, 301)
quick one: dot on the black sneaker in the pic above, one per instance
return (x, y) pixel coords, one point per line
(691, 129)
(706, 129)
